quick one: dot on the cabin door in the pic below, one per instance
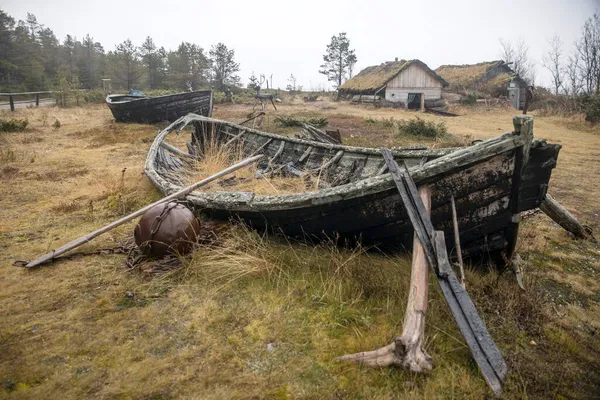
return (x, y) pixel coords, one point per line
(414, 101)
(514, 94)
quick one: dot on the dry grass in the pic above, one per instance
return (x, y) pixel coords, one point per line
(215, 158)
(260, 317)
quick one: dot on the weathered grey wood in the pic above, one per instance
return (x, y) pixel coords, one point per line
(305, 155)
(268, 142)
(318, 135)
(236, 137)
(383, 169)
(181, 193)
(457, 242)
(278, 153)
(408, 349)
(563, 217)
(484, 350)
(177, 151)
(332, 161)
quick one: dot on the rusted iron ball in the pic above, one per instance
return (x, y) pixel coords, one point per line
(166, 228)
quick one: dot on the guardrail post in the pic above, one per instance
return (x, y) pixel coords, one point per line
(37, 99)
(12, 103)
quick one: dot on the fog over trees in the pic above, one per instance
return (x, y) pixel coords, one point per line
(34, 59)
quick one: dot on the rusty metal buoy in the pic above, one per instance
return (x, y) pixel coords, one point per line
(166, 228)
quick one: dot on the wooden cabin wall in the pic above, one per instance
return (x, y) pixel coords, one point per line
(413, 79)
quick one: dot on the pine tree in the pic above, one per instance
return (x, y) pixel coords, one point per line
(224, 67)
(339, 60)
(127, 68)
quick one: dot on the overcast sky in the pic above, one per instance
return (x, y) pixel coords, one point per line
(280, 37)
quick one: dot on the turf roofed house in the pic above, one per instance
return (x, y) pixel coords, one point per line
(411, 84)
(493, 78)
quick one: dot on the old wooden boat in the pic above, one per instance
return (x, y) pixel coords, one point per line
(492, 182)
(146, 109)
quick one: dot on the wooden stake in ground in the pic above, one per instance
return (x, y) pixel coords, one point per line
(183, 192)
(564, 218)
(407, 350)
(457, 242)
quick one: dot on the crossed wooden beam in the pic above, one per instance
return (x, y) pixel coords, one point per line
(429, 247)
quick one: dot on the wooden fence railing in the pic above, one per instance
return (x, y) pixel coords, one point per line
(37, 96)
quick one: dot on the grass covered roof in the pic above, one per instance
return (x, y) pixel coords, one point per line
(462, 77)
(374, 77)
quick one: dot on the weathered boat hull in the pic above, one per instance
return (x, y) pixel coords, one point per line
(143, 109)
(490, 182)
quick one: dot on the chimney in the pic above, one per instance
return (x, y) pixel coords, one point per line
(396, 59)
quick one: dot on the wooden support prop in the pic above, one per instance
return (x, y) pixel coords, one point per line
(183, 192)
(564, 218)
(457, 242)
(484, 350)
(408, 349)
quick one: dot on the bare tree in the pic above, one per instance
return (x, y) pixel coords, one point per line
(573, 80)
(552, 61)
(517, 54)
(588, 50)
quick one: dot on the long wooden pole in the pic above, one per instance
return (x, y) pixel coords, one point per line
(183, 192)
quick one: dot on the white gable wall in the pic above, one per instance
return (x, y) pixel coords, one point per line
(413, 79)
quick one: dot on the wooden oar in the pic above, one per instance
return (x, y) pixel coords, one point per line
(183, 192)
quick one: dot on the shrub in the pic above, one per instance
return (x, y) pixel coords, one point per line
(385, 122)
(56, 124)
(94, 96)
(285, 120)
(218, 97)
(13, 125)
(420, 127)
(591, 105)
(470, 98)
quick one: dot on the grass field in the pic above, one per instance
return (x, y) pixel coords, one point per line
(261, 317)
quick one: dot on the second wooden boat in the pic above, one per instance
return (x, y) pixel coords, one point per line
(146, 109)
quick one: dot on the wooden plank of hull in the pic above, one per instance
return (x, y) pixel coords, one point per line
(156, 109)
